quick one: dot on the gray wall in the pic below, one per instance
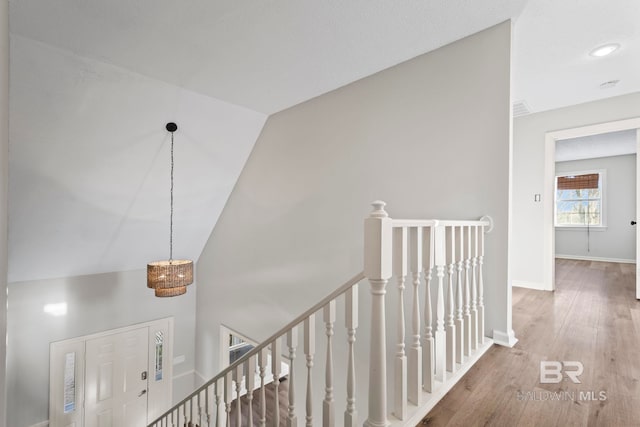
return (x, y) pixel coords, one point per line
(4, 181)
(430, 136)
(527, 250)
(95, 303)
(617, 241)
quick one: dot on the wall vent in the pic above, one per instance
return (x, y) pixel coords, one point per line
(520, 108)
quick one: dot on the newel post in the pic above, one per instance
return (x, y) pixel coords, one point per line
(378, 241)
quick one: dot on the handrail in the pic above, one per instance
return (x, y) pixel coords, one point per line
(438, 222)
(333, 295)
(413, 223)
(458, 223)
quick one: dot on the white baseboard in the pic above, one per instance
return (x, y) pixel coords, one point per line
(504, 339)
(595, 258)
(530, 285)
(44, 423)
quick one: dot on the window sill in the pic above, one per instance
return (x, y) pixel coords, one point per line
(580, 228)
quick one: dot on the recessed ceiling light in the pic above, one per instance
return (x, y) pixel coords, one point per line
(604, 50)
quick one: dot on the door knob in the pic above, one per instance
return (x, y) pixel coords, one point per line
(633, 223)
(142, 393)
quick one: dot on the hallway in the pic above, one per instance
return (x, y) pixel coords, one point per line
(592, 318)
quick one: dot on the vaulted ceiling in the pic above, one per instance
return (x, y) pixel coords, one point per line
(93, 83)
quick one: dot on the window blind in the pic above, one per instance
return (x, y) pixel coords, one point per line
(578, 182)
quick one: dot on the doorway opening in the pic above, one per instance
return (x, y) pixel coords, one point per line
(233, 345)
(549, 201)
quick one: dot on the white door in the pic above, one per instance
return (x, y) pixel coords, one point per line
(116, 380)
(637, 213)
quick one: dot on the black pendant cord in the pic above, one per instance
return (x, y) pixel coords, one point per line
(171, 214)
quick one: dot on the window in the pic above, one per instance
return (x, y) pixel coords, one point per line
(579, 199)
(238, 347)
(159, 354)
(69, 382)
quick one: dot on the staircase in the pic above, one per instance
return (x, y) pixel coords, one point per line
(413, 360)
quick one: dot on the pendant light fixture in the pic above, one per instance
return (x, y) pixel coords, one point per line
(170, 278)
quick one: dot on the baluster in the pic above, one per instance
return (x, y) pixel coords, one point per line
(481, 289)
(250, 384)
(206, 406)
(184, 412)
(474, 290)
(467, 293)
(276, 366)
(451, 326)
(400, 271)
(351, 324)
(309, 351)
(292, 343)
(428, 367)
(173, 423)
(328, 411)
(228, 396)
(415, 351)
(377, 269)
(459, 298)
(262, 365)
(219, 412)
(193, 409)
(440, 262)
(238, 375)
(199, 410)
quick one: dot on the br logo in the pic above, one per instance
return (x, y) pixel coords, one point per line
(551, 371)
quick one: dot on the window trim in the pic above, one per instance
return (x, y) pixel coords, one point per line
(603, 207)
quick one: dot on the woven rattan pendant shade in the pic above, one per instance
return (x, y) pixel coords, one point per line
(171, 292)
(171, 277)
(177, 273)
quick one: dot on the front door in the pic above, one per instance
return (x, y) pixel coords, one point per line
(117, 380)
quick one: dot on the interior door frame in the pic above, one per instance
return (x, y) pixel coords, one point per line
(159, 392)
(549, 246)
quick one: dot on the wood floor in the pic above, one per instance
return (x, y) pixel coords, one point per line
(592, 317)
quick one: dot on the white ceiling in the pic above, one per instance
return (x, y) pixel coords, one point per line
(89, 165)
(93, 83)
(552, 67)
(264, 55)
(603, 145)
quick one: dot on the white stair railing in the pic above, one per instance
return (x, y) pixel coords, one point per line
(446, 256)
(264, 362)
(443, 260)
